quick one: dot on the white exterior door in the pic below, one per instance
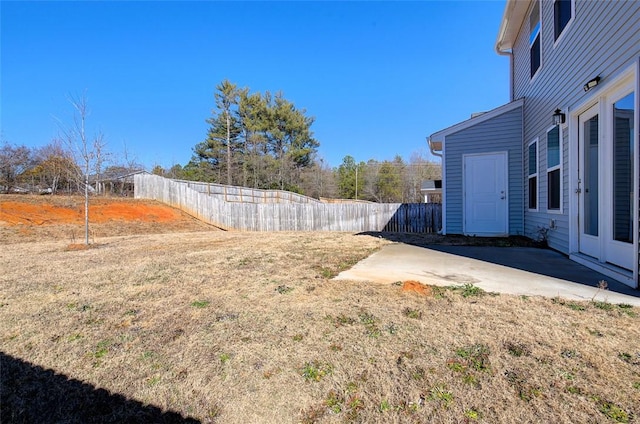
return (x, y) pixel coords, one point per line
(607, 153)
(486, 203)
(589, 177)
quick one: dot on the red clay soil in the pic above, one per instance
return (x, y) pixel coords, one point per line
(25, 218)
(414, 286)
(24, 212)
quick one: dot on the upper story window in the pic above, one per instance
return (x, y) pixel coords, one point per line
(562, 14)
(534, 38)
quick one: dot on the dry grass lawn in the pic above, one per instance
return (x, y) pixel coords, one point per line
(249, 328)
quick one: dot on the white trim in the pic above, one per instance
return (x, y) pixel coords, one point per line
(636, 178)
(610, 246)
(515, 12)
(535, 175)
(559, 166)
(443, 162)
(442, 134)
(557, 41)
(619, 274)
(537, 72)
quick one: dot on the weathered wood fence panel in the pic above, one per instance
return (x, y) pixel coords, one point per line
(247, 195)
(277, 211)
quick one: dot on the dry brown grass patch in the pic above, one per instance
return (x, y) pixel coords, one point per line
(239, 327)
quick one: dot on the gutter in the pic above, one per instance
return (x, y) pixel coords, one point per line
(433, 152)
(515, 13)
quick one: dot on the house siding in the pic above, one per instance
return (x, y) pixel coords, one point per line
(498, 134)
(603, 39)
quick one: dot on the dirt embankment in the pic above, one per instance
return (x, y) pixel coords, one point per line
(34, 218)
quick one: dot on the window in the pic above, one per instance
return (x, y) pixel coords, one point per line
(562, 14)
(534, 38)
(533, 175)
(554, 152)
(623, 158)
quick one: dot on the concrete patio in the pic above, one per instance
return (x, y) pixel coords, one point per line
(512, 270)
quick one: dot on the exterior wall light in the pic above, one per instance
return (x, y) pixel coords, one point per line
(558, 117)
(592, 83)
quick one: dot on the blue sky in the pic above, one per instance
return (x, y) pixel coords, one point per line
(377, 76)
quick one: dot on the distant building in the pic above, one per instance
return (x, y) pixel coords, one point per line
(432, 191)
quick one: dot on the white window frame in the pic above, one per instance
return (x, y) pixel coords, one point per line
(534, 175)
(539, 35)
(564, 31)
(554, 168)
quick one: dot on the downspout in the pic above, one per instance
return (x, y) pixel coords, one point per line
(509, 10)
(444, 188)
(509, 53)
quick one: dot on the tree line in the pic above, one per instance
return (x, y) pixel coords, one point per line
(73, 162)
(254, 140)
(388, 181)
(264, 141)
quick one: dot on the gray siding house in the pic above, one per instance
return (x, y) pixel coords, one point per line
(567, 141)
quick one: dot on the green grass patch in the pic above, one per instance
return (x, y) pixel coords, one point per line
(442, 395)
(614, 412)
(200, 304)
(468, 290)
(605, 306)
(626, 357)
(412, 313)
(282, 289)
(472, 414)
(476, 356)
(576, 306)
(384, 406)
(334, 402)
(316, 370)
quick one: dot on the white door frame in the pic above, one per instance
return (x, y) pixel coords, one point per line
(590, 244)
(505, 155)
(601, 96)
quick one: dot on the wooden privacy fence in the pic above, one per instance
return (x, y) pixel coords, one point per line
(247, 195)
(271, 216)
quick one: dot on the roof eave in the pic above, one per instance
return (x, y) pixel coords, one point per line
(437, 138)
(514, 14)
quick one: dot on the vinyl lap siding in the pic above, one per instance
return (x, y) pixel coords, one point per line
(499, 134)
(603, 39)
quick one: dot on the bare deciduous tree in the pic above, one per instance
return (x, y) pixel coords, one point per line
(85, 150)
(55, 165)
(14, 161)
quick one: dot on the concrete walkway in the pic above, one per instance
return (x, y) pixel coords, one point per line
(513, 270)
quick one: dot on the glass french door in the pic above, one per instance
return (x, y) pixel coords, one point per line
(589, 170)
(607, 198)
(620, 199)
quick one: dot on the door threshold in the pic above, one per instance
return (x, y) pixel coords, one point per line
(617, 273)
